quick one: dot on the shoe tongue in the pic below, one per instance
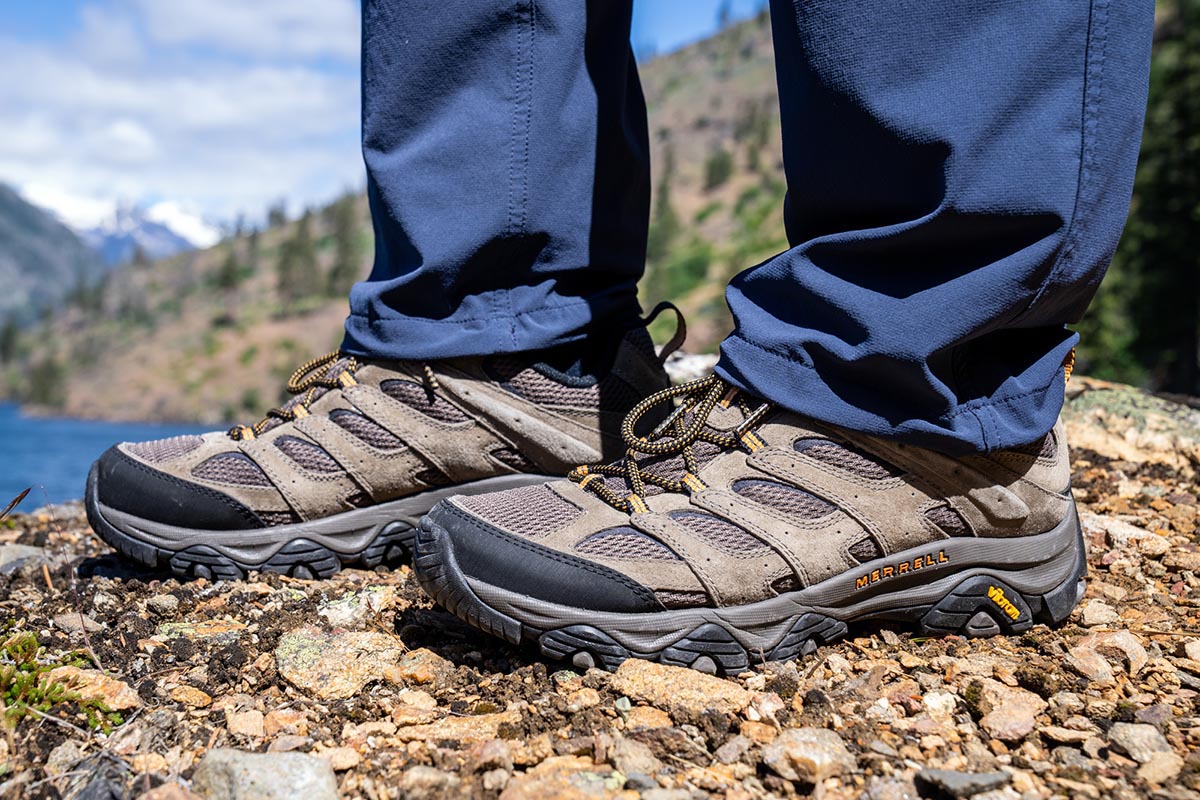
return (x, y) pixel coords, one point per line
(723, 418)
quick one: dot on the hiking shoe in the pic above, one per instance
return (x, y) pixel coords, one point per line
(342, 472)
(736, 533)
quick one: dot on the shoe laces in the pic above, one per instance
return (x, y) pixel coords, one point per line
(331, 371)
(683, 427)
(308, 382)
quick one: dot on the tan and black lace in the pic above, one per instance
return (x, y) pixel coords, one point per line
(308, 380)
(312, 380)
(684, 426)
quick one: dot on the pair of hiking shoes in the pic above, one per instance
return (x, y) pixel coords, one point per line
(697, 525)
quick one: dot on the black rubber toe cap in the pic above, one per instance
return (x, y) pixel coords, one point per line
(485, 553)
(126, 484)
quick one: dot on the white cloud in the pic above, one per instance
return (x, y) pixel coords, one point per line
(207, 122)
(263, 28)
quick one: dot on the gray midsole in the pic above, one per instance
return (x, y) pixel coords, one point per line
(1032, 565)
(347, 533)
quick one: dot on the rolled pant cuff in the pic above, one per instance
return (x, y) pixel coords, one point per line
(402, 338)
(1023, 412)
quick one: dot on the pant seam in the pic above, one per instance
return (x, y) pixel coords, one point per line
(1093, 84)
(461, 320)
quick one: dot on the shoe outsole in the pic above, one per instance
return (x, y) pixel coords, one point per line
(382, 541)
(977, 605)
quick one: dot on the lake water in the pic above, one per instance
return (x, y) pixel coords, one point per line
(57, 453)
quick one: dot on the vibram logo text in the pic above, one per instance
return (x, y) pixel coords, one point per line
(996, 595)
(902, 568)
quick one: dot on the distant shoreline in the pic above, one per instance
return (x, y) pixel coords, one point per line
(44, 412)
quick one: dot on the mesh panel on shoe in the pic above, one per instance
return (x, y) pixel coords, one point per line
(1045, 447)
(716, 532)
(521, 379)
(627, 544)
(788, 499)
(672, 598)
(165, 449)
(307, 455)
(233, 468)
(370, 432)
(610, 393)
(510, 457)
(529, 510)
(847, 459)
(950, 521)
(416, 396)
(865, 549)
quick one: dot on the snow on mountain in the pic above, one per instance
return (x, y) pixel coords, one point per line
(117, 230)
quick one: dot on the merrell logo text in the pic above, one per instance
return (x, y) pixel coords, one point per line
(902, 568)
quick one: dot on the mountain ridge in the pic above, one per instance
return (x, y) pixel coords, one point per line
(42, 261)
(211, 335)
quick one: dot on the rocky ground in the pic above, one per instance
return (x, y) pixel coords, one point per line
(357, 686)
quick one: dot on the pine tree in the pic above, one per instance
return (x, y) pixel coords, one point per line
(664, 226)
(297, 274)
(10, 336)
(229, 274)
(1145, 322)
(717, 168)
(277, 214)
(347, 259)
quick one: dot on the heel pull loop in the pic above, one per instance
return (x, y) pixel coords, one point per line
(675, 341)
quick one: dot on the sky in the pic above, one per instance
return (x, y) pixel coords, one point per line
(207, 108)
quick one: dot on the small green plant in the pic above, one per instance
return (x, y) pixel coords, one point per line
(27, 690)
(717, 169)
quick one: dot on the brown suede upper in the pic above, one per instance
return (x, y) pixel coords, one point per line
(385, 430)
(791, 505)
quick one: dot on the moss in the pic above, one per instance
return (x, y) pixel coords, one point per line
(971, 697)
(27, 690)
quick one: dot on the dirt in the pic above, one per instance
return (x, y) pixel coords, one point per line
(452, 712)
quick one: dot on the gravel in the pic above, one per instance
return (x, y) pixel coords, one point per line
(358, 686)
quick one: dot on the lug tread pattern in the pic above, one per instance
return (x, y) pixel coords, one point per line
(299, 557)
(973, 607)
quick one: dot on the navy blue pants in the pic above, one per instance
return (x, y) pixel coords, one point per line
(958, 176)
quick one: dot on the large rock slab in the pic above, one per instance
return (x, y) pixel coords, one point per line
(335, 666)
(808, 754)
(685, 693)
(228, 774)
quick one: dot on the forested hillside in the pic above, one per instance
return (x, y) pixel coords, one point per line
(42, 263)
(212, 335)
